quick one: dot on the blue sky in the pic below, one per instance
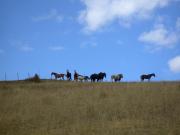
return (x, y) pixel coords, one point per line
(113, 36)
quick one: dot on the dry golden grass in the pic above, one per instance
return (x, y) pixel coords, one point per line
(69, 108)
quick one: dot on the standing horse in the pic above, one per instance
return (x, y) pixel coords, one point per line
(68, 75)
(148, 76)
(117, 77)
(76, 75)
(56, 75)
(101, 76)
(81, 78)
(86, 78)
(98, 77)
(94, 77)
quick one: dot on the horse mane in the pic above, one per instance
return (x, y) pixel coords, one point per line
(53, 73)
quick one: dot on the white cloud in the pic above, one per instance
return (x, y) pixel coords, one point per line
(100, 12)
(88, 44)
(174, 64)
(52, 15)
(56, 48)
(26, 48)
(21, 45)
(160, 37)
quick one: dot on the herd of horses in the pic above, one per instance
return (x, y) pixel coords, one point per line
(96, 77)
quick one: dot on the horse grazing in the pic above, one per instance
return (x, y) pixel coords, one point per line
(117, 77)
(56, 75)
(81, 78)
(86, 78)
(148, 76)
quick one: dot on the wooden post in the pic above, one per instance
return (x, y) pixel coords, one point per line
(5, 76)
(18, 76)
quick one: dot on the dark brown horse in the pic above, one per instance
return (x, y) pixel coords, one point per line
(68, 75)
(57, 75)
(148, 76)
(77, 76)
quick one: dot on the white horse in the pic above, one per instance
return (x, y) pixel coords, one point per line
(117, 77)
(82, 78)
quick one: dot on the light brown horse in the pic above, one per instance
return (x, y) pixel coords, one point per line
(56, 75)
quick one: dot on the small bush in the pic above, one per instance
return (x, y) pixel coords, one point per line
(35, 78)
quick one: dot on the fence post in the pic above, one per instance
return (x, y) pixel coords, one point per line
(18, 76)
(5, 76)
(28, 75)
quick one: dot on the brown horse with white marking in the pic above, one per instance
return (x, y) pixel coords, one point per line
(56, 75)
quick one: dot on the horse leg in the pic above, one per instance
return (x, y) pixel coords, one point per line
(98, 80)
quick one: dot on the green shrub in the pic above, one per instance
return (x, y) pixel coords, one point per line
(35, 78)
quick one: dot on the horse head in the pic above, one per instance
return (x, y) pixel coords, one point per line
(153, 74)
(104, 75)
(53, 73)
(121, 75)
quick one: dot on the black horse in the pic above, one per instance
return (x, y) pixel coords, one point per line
(148, 76)
(101, 76)
(94, 77)
(98, 77)
(68, 75)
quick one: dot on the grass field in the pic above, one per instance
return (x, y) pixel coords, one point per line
(69, 108)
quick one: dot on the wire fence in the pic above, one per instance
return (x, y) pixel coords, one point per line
(15, 77)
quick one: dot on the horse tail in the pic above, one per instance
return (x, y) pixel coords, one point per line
(52, 73)
(51, 76)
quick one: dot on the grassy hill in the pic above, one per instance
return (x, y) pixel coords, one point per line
(69, 108)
